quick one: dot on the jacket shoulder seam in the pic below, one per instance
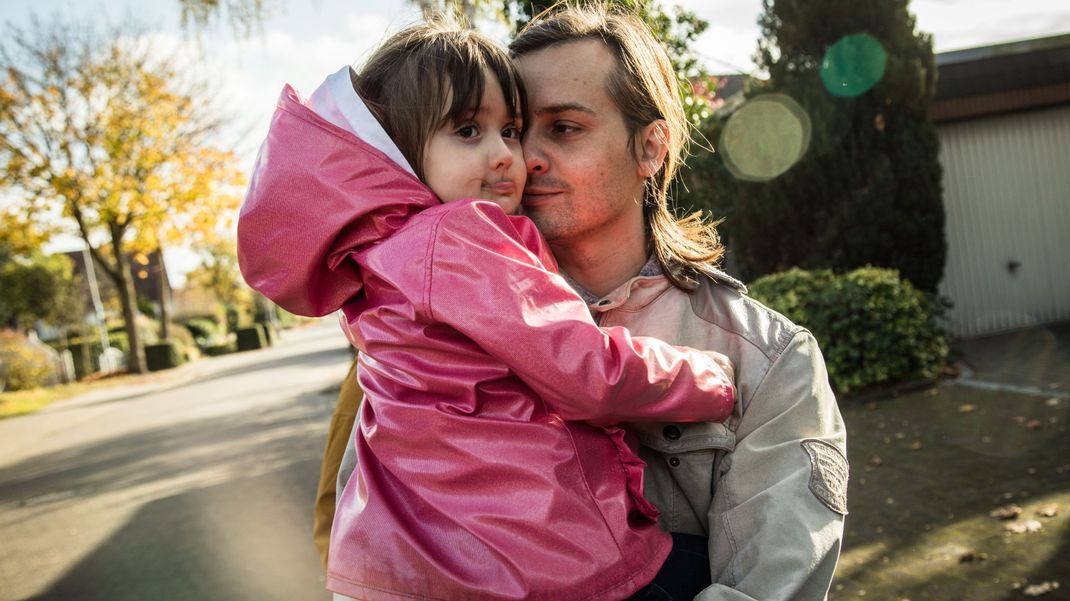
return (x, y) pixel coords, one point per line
(429, 266)
(779, 354)
(783, 340)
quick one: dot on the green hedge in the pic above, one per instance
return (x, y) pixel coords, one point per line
(873, 327)
(218, 349)
(164, 355)
(203, 329)
(250, 339)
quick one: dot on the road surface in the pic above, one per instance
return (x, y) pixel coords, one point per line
(199, 487)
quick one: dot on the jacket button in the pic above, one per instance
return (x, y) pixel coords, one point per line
(674, 461)
(671, 432)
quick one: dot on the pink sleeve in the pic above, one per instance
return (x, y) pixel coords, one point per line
(486, 283)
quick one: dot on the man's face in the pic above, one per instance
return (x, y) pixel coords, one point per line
(583, 178)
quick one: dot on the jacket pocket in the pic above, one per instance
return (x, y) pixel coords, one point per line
(675, 439)
(682, 463)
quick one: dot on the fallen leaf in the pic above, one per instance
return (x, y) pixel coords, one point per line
(972, 556)
(1008, 512)
(1023, 527)
(875, 460)
(915, 446)
(1033, 424)
(1036, 590)
(967, 407)
(1052, 402)
(1019, 419)
(1048, 511)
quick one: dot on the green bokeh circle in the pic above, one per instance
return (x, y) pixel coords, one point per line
(853, 65)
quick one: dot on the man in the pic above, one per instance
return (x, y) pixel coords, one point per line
(603, 142)
(605, 138)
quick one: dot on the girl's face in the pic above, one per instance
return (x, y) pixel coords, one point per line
(479, 157)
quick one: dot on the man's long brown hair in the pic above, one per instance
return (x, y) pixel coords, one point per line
(645, 88)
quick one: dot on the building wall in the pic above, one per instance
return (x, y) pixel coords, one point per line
(1007, 194)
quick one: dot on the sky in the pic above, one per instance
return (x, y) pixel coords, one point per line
(301, 41)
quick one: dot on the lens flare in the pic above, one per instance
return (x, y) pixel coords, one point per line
(765, 137)
(853, 65)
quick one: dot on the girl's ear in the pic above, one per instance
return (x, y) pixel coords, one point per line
(651, 146)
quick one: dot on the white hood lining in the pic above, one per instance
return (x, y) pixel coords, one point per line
(336, 101)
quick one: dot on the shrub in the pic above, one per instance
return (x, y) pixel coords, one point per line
(250, 339)
(873, 327)
(218, 349)
(238, 316)
(204, 331)
(164, 355)
(186, 343)
(286, 319)
(23, 365)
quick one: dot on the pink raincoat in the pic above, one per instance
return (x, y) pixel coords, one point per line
(476, 477)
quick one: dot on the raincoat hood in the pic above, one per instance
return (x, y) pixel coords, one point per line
(326, 162)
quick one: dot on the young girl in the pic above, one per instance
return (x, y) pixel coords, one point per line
(487, 464)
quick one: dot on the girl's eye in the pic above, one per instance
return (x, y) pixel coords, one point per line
(468, 131)
(511, 132)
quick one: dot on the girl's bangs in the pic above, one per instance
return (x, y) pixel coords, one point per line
(465, 81)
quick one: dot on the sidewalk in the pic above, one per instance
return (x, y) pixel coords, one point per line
(1031, 361)
(153, 381)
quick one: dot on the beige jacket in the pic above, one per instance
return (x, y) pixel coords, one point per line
(768, 488)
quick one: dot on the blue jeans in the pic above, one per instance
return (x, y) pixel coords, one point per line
(683, 575)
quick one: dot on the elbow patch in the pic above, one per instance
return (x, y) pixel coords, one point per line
(828, 474)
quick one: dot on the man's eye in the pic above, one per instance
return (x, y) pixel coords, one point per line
(468, 131)
(511, 132)
(565, 129)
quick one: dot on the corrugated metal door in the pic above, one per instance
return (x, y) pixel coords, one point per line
(1007, 194)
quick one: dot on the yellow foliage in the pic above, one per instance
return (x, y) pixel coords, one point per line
(106, 136)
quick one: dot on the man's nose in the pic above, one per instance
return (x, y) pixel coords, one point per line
(534, 161)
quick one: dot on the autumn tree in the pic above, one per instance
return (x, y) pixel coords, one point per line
(241, 15)
(38, 287)
(103, 136)
(219, 275)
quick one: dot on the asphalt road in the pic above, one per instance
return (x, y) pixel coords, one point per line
(199, 486)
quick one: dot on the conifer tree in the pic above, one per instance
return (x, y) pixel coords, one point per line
(868, 189)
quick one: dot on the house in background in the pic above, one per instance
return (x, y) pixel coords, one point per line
(1003, 118)
(150, 280)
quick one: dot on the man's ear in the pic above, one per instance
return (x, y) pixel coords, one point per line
(651, 146)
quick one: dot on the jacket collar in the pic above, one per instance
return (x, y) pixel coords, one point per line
(641, 290)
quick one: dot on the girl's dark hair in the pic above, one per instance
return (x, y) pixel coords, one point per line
(428, 75)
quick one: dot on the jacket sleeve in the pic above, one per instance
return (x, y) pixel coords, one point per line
(776, 520)
(484, 282)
